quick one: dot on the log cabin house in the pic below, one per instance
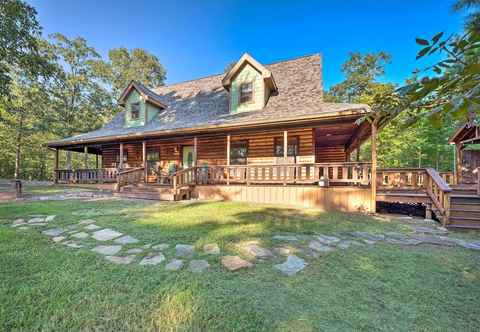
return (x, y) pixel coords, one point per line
(259, 133)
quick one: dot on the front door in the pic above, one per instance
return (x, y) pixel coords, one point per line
(187, 156)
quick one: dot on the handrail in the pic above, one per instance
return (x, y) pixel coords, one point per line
(443, 185)
(439, 190)
(130, 176)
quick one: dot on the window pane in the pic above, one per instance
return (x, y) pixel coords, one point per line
(292, 147)
(239, 153)
(246, 92)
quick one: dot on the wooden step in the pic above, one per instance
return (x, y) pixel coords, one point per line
(471, 206)
(463, 226)
(465, 213)
(464, 199)
(145, 195)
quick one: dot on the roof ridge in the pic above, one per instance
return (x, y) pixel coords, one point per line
(219, 74)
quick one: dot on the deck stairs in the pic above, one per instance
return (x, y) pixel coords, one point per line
(154, 192)
(464, 207)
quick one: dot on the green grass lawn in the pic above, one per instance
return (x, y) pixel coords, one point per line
(46, 286)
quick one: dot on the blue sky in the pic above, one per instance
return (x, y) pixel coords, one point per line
(198, 38)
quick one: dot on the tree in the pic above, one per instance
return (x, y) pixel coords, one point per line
(450, 87)
(361, 73)
(19, 33)
(124, 66)
(81, 98)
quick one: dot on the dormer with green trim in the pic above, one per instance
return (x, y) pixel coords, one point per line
(250, 85)
(141, 105)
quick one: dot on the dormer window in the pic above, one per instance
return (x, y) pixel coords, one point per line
(246, 93)
(135, 111)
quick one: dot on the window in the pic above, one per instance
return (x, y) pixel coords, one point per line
(135, 111)
(246, 92)
(292, 147)
(152, 160)
(239, 153)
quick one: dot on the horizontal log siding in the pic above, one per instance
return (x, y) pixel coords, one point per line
(262, 145)
(325, 154)
(212, 151)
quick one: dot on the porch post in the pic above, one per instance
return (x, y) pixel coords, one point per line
(358, 154)
(195, 142)
(55, 173)
(228, 159)
(144, 160)
(285, 146)
(374, 166)
(120, 164)
(228, 150)
(458, 164)
(85, 156)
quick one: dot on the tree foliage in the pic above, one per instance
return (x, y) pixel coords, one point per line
(19, 33)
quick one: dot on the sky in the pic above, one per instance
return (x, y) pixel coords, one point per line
(193, 39)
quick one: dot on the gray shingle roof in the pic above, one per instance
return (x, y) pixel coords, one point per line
(204, 102)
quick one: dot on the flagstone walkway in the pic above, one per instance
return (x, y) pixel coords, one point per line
(294, 250)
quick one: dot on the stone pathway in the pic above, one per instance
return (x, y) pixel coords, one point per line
(290, 253)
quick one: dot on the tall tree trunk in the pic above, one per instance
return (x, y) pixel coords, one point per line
(18, 147)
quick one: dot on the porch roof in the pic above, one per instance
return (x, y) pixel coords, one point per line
(203, 104)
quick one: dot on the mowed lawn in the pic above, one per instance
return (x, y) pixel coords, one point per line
(47, 286)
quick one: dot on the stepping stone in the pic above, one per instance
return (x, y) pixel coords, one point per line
(320, 247)
(283, 251)
(435, 240)
(292, 265)
(23, 228)
(174, 265)
(59, 238)
(394, 235)
(256, 251)
(106, 234)
(184, 250)
(72, 227)
(123, 260)
(368, 236)
(369, 242)
(234, 263)
(197, 266)
(153, 260)
(92, 227)
(72, 244)
(127, 239)
(36, 215)
(285, 238)
(345, 244)
(54, 232)
(39, 224)
(211, 249)
(428, 230)
(161, 246)
(405, 241)
(87, 222)
(50, 218)
(107, 250)
(18, 222)
(80, 235)
(327, 240)
(36, 220)
(472, 245)
(147, 246)
(134, 251)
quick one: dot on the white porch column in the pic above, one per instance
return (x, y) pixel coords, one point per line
(285, 146)
(228, 150)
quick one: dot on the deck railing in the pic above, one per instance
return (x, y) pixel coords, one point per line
(345, 173)
(130, 176)
(100, 175)
(401, 179)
